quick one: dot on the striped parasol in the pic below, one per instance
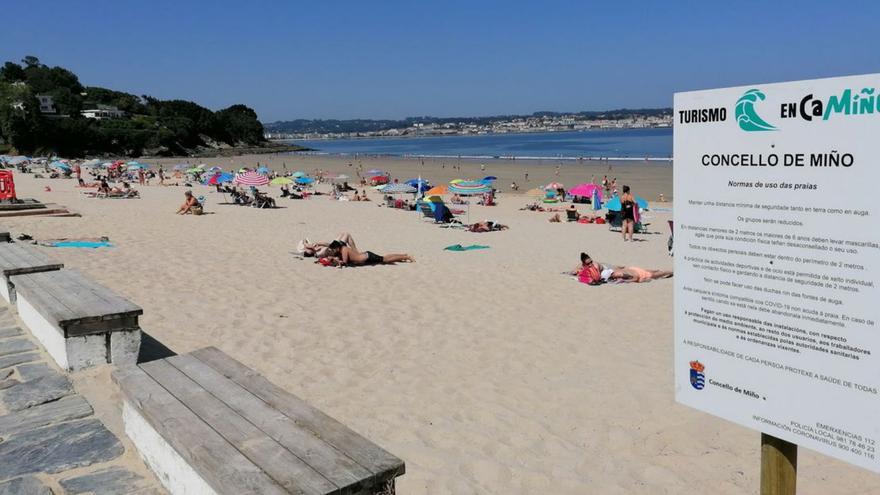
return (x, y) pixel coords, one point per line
(399, 189)
(251, 178)
(469, 188)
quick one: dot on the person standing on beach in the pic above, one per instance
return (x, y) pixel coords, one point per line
(628, 211)
(527, 176)
(161, 176)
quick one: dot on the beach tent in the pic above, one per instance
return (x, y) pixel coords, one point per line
(250, 178)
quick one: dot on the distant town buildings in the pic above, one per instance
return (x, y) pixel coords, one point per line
(554, 123)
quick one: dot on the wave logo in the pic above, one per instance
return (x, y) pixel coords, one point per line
(747, 116)
(698, 379)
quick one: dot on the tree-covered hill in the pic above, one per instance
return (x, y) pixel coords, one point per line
(147, 126)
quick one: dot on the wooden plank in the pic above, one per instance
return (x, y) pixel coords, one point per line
(41, 299)
(333, 464)
(366, 453)
(69, 298)
(17, 259)
(49, 306)
(286, 469)
(218, 462)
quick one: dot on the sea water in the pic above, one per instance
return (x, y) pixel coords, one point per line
(654, 144)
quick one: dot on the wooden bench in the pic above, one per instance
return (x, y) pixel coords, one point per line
(205, 423)
(79, 322)
(18, 259)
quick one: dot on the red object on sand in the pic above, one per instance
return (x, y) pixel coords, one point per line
(7, 185)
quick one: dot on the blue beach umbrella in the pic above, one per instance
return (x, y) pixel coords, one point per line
(298, 174)
(421, 185)
(613, 204)
(263, 170)
(597, 200)
(60, 166)
(490, 178)
(304, 180)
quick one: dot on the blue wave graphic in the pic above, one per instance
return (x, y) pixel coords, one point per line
(747, 116)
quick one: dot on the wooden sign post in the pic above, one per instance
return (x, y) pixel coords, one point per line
(778, 466)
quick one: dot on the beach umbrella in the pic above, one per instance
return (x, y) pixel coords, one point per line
(264, 170)
(490, 178)
(304, 180)
(535, 193)
(60, 166)
(281, 181)
(597, 199)
(194, 170)
(15, 160)
(432, 199)
(456, 181)
(91, 163)
(298, 174)
(399, 189)
(251, 178)
(437, 190)
(215, 168)
(469, 188)
(554, 186)
(421, 185)
(584, 190)
(613, 204)
(220, 179)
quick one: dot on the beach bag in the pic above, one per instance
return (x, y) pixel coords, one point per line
(196, 210)
(590, 275)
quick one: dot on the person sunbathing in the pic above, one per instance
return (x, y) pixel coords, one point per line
(486, 226)
(635, 274)
(326, 249)
(189, 204)
(352, 257)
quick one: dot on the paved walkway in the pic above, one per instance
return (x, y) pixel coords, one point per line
(51, 443)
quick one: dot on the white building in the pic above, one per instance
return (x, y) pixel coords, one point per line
(100, 112)
(47, 104)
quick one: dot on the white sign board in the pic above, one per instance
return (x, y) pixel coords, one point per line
(777, 226)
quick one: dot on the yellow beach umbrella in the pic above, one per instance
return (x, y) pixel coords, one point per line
(456, 181)
(280, 181)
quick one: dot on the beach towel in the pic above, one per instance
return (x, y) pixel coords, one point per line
(79, 244)
(637, 216)
(459, 247)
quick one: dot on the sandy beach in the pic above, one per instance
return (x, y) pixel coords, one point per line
(486, 371)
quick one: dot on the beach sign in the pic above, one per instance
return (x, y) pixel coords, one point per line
(777, 261)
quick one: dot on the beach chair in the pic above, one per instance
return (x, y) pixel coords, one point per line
(426, 210)
(572, 215)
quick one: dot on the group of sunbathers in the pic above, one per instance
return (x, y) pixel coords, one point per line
(105, 191)
(342, 252)
(592, 273)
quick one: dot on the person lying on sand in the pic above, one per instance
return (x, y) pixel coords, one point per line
(486, 226)
(593, 273)
(326, 249)
(352, 257)
(189, 204)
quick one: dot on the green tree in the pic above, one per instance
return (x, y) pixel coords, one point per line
(12, 72)
(19, 117)
(240, 125)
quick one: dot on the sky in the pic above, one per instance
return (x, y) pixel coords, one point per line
(393, 59)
